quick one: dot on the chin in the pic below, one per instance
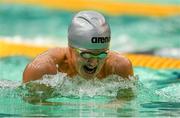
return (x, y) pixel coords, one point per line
(88, 76)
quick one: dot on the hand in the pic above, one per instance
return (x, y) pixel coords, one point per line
(36, 93)
(125, 94)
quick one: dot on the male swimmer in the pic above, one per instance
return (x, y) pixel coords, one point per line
(87, 54)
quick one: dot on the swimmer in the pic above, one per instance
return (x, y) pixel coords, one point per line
(87, 55)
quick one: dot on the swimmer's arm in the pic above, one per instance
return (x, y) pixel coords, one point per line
(123, 97)
(119, 65)
(124, 68)
(43, 64)
(37, 92)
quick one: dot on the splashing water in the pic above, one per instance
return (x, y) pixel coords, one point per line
(79, 87)
(80, 94)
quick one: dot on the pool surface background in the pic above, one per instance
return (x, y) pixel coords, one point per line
(157, 90)
(157, 94)
(26, 23)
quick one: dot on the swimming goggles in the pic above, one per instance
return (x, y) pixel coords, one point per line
(89, 55)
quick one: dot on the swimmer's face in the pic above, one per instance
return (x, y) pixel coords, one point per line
(88, 63)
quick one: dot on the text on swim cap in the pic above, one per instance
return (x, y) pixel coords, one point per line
(100, 39)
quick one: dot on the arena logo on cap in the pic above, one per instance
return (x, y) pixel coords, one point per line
(100, 39)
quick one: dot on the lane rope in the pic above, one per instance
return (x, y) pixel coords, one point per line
(106, 6)
(8, 48)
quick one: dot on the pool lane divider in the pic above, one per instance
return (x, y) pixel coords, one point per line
(8, 48)
(106, 6)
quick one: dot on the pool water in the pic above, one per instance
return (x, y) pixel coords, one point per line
(156, 94)
(156, 91)
(128, 31)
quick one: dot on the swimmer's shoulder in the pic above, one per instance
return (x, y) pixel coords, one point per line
(118, 64)
(45, 63)
(58, 54)
(117, 56)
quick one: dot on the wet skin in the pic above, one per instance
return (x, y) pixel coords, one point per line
(88, 68)
(68, 60)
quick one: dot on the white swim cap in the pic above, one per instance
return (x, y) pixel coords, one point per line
(89, 30)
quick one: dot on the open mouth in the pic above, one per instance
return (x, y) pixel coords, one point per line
(89, 70)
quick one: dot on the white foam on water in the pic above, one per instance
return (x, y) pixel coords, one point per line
(123, 43)
(171, 92)
(79, 87)
(168, 52)
(9, 84)
(37, 41)
(7, 88)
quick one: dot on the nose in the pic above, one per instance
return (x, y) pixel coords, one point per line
(92, 62)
